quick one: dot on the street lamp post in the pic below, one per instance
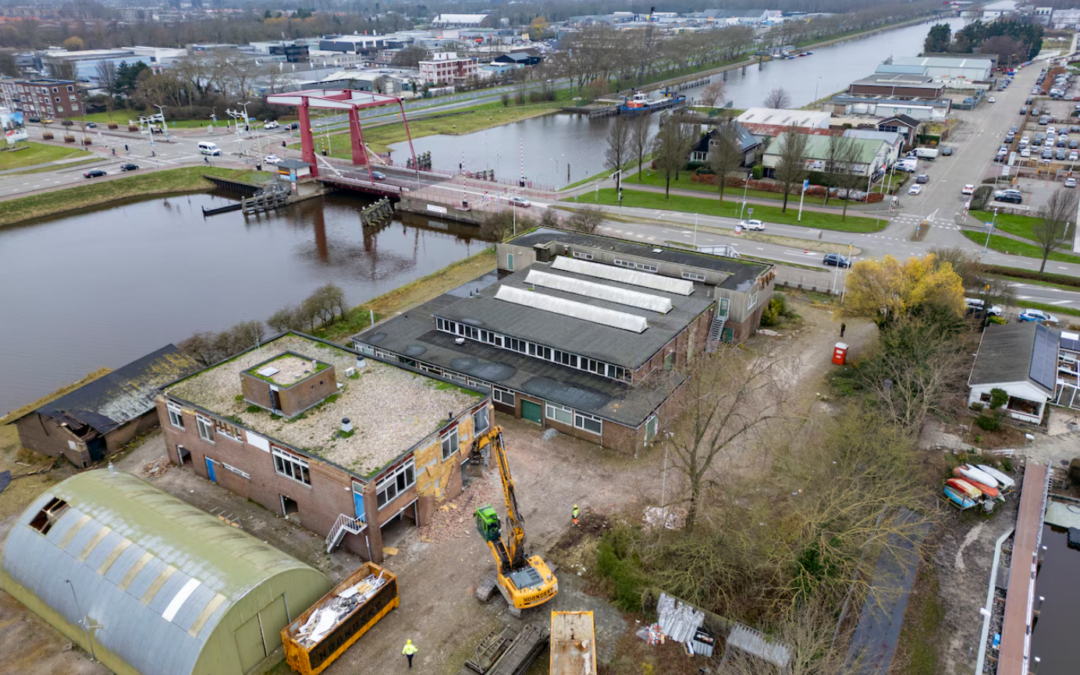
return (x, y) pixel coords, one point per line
(164, 124)
(991, 232)
(746, 184)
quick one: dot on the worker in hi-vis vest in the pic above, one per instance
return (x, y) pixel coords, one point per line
(574, 514)
(409, 651)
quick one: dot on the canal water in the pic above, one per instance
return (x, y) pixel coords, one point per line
(106, 286)
(546, 145)
(1055, 629)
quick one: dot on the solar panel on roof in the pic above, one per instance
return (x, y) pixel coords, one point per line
(577, 310)
(1044, 357)
(653, 281)
(591, 289)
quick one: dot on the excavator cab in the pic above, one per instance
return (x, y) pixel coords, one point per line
(487, 523)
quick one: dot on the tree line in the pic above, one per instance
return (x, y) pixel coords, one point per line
(1011, 41)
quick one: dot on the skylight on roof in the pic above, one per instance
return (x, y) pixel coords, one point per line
(622, 296)
(570, 308)
(653, 281)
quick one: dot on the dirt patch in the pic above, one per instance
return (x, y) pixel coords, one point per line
(575, 551)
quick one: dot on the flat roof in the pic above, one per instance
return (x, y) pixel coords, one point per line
(391, 409)
(413, 334)
(602, 341)
(742, 273)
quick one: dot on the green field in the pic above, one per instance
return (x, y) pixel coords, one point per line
(730, 209)
(39, 153)
(1006, 245)
(1020, 226)
(173, 181)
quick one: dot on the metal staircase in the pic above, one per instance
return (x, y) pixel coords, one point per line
(345, 524)
(716, 330)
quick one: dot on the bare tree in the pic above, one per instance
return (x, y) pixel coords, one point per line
(790, 170)
(837, 159)
(670, 147)
(725, 153)
(712, 95)
(978, 278)
(777, 98)
(1058, 219)
(618, 147)
(639, 140)
(106, 75)
(585, 220)
(730, 396)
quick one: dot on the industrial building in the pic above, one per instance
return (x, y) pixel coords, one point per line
(947, 69)
(585, 334)
(873, 154)
(149, 585)
(348, 447)
(97, 419)
(897, 86)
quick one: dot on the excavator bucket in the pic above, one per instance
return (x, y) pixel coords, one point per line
(487, 523)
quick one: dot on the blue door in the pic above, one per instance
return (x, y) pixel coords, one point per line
(358, 503)
(210, 469)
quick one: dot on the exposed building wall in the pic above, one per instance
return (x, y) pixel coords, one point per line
(43, 434)
(118, 438)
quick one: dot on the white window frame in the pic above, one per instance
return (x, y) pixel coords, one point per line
(501, 396)
(290, 466)
(553, 412)
(693, 276)
(483, 413)
(238, 472)
(206, 428)
(751, 301)
(176, 417)
(583, 256)
(581, 418)
(395, 483)
(450, 442)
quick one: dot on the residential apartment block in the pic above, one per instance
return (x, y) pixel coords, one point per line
(349, 447)
(43, 97)
(447, 68)
(584, 334)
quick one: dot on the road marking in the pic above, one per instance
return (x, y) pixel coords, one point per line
(1059, 302)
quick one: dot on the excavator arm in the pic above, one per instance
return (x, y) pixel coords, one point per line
(510, 551)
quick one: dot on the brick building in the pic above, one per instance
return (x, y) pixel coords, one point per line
(447, 68)
(350, 448)
(43, 97)
(585, 334)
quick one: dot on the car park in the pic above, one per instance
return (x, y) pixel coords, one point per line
(1044, 120)
(922, 178)
(836, 260)
(752, 225)
(915, 189)
(94, 173)
(129, 167)
(1038, 316)
(520, 201)
(968, 189)
(1047, 153)
(1070, 182)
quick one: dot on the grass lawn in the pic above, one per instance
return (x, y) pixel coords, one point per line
(1006, 245)
(188, 179)
(122, 117)
(1049, 309)
(1015, 225)
(684, 182)
(631, 165)
(917, 649)
(475, 118)
(38, 153)
(730, 209)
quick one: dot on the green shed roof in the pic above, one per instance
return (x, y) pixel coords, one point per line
(817, 147)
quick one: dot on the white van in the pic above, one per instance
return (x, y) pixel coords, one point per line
(208, 148)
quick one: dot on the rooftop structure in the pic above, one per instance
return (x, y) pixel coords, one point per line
(1022, 360)
(945, 67)
(779, 117)
(459, 20)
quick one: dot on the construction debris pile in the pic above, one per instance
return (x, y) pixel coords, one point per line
(682, 623)
(324, 619)
(157, 468)
(454, 520)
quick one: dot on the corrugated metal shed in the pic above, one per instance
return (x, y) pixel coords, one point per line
(162, 587)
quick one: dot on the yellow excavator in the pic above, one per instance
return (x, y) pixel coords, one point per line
(524, 581)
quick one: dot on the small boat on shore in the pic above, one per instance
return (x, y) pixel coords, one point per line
(989, 491)
(964, 487)
(1003, 479)
(975, 475)
(962, 501)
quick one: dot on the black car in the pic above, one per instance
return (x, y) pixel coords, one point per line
(91, 125)
(922, 178)
(1029, 101)
(1009, 197)
(95, 173)
(129, 167)
(836, 260)
(1023, 111)
(35, 120)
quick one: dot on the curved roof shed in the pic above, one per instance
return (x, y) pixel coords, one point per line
(164, 587)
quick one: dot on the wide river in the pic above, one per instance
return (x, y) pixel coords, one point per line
(549, 143)
(106, 286)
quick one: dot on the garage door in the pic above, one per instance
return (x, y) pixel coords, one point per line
(532, 411)
(249, 644)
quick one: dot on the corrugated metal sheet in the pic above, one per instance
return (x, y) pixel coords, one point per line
(157, 575)
(632, 277)
(576, 310)
(589, 289)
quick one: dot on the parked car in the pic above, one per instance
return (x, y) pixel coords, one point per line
(1023, 110)
(91, 125)
(378, 175)
(520, 201)
(915, 189)
(1044, 120)
(293, 126)
(1070, 182)
(1059, 154)
(1074, 156)
(1025, 152)
(1009, 197)
(992, 99)
(94, 173)
(1014, 130)
(272, 124)
(977, 305)
(1038, 316)
(753, 224)
(1047, 153)
(35, 120)
(922, 178)
(968, 189)
(47, 120)
(1029, 101)
(129, 167)
(947, 150)
(836, 260)
(272, 159)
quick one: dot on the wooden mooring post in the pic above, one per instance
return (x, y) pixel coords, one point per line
(377, 212)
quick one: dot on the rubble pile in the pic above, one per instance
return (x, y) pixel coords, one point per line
(324, 619)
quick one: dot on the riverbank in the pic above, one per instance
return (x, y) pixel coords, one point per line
(151, 184)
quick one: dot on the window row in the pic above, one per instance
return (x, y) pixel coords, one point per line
(631, 265)
(403, 478)
(535, 350)
(567, 416)
(693, 276)
(291, 466)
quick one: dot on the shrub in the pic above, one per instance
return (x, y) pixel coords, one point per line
(981, 197)
(69, 139)
(88, 141)
(976, 406)
(132, 127)
(505, 98)
(113, 125)
(998, 398)
(47, 136)
(989, 420)
(996, 319)
(757, 172)
(616, 564)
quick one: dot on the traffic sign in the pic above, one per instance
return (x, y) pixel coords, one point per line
(750, 210)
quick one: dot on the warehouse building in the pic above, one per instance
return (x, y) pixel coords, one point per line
(949, 68)
(352, 449)
(150, 585)
(585, 334)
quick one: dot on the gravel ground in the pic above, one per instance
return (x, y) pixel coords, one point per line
(391, 409)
